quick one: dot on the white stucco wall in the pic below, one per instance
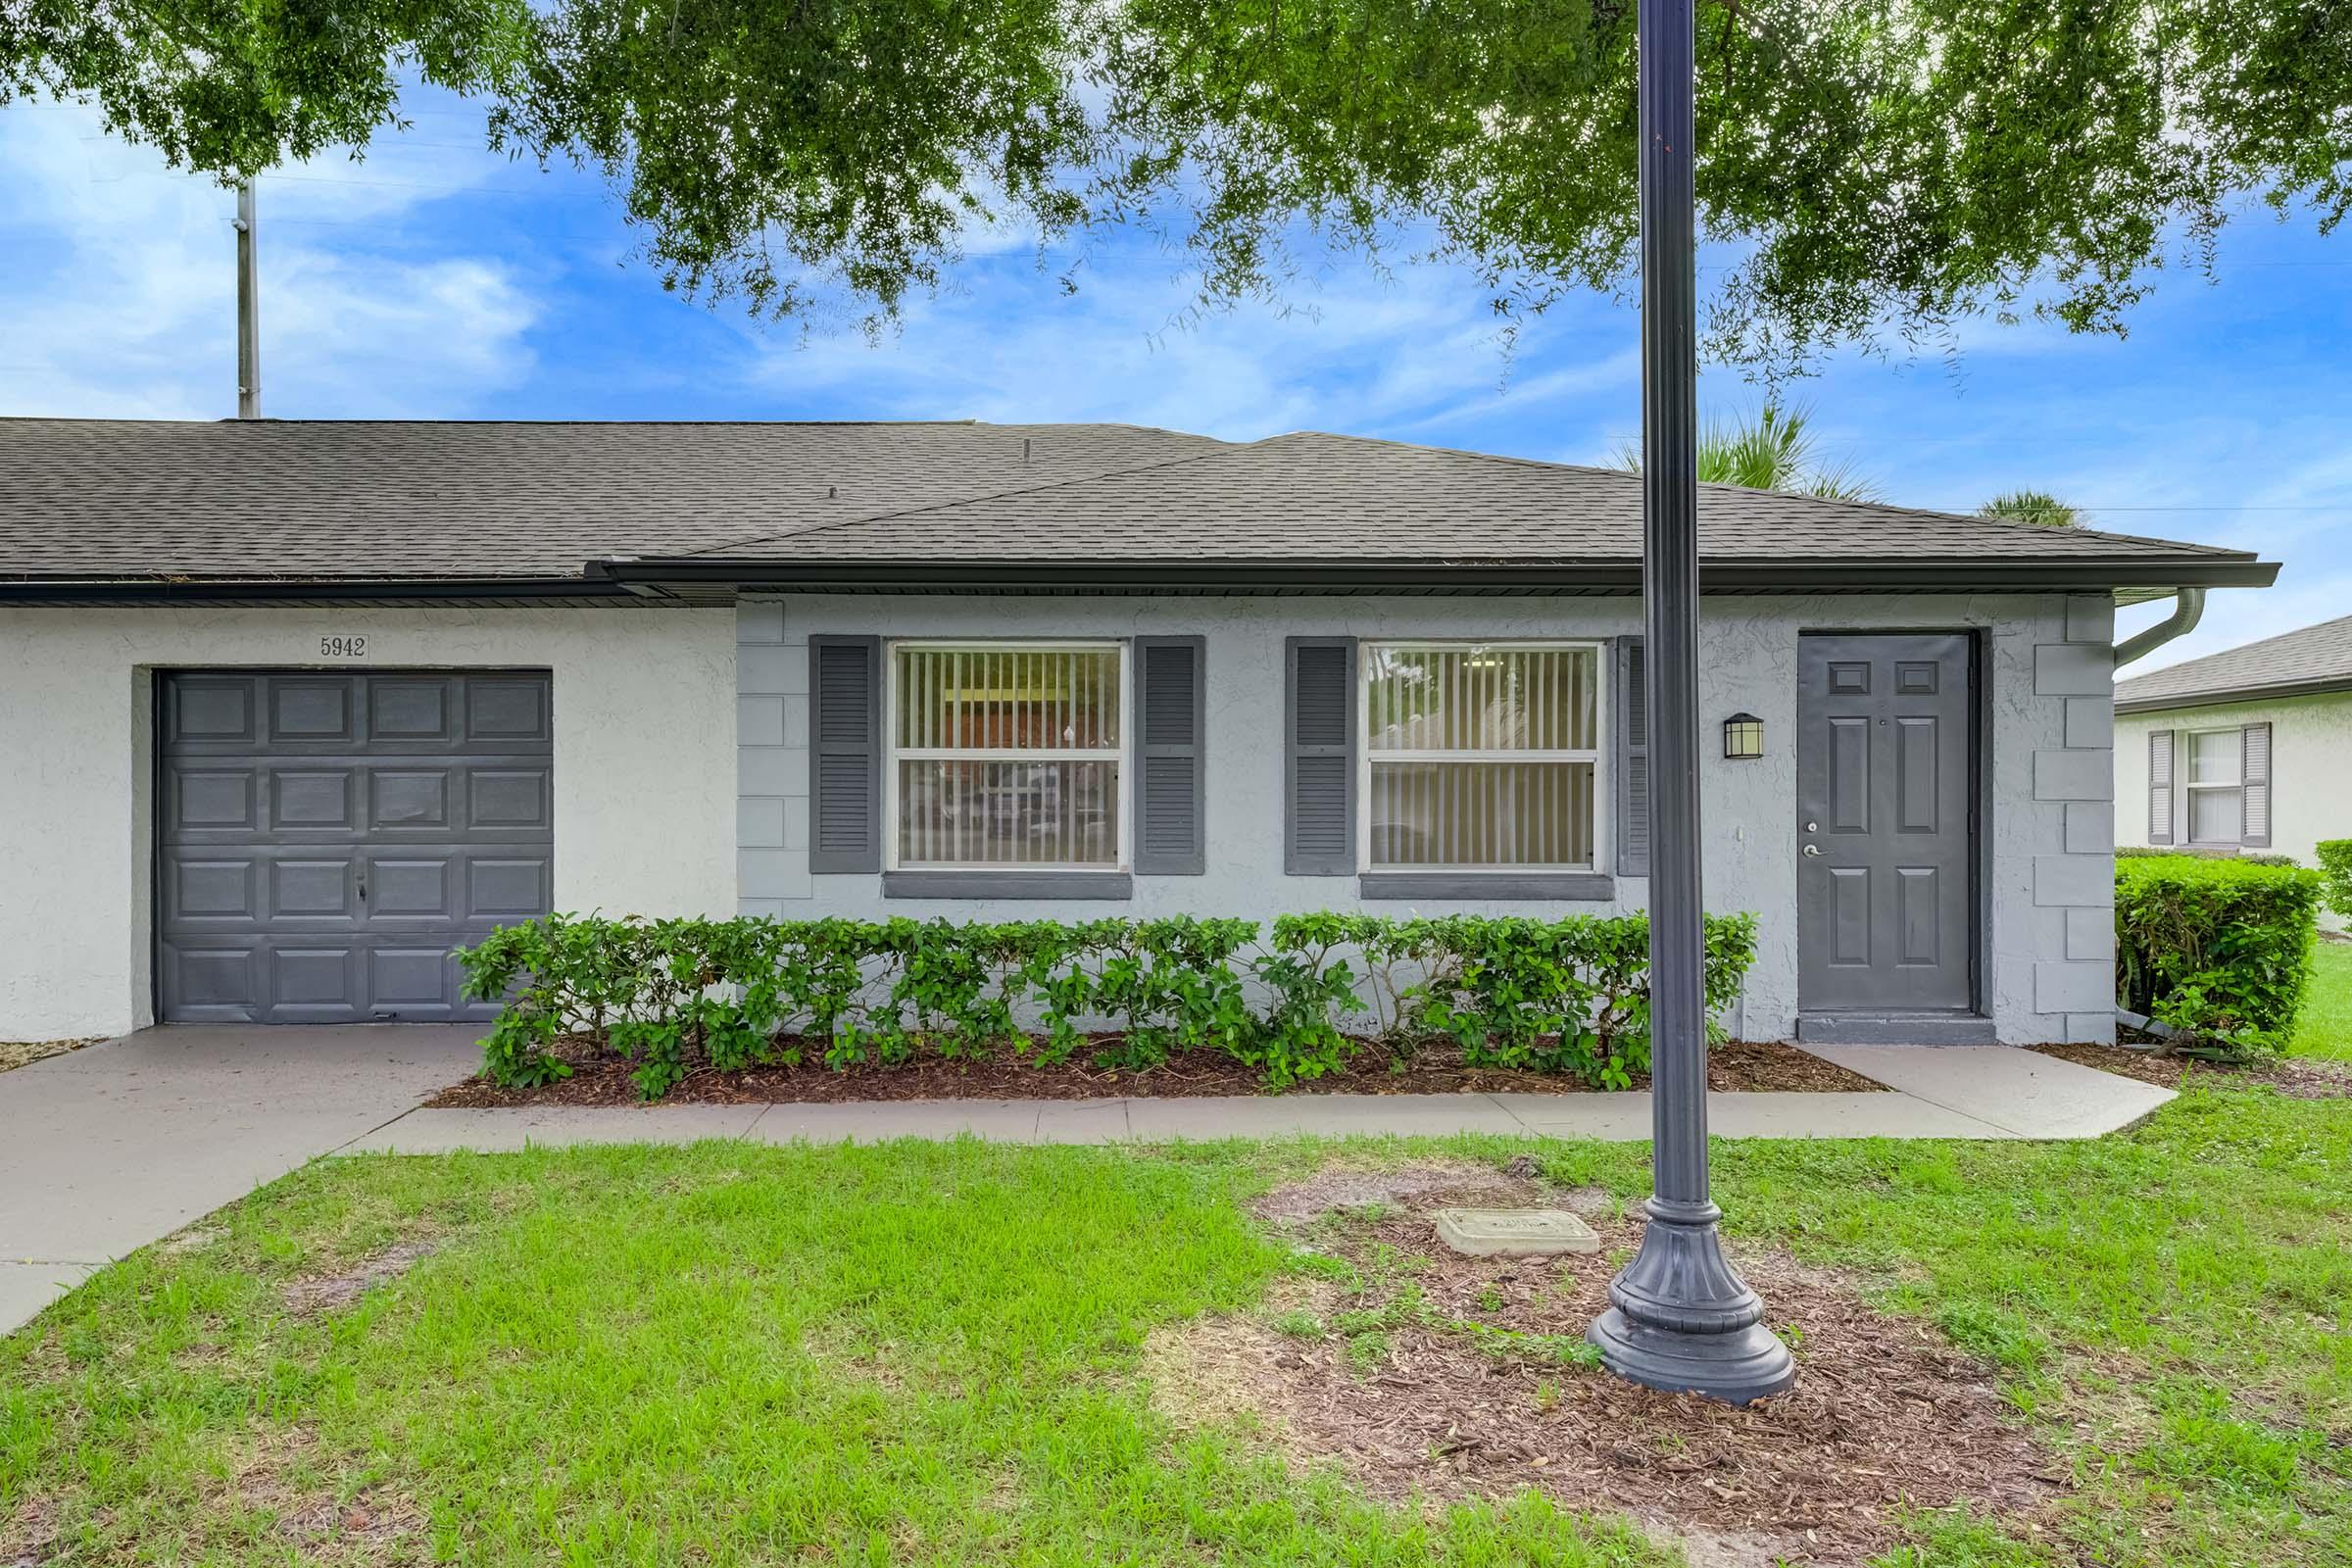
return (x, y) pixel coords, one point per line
(2311, 768)
(2048, 951)
(645, 755)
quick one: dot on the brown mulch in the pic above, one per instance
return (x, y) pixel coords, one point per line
(1749, 1065)
(24, 1052)
(2296, 1077)
(1884, 1413)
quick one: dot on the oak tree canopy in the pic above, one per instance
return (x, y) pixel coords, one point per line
(1878, 169)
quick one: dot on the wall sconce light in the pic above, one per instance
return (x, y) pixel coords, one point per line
(1743, 738)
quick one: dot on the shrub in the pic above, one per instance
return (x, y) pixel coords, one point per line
(2335, 874)
(2220, 950)
(1554, 995)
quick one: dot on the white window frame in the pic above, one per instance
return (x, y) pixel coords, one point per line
(2186, 769)
(1604, 826)
(893, 754)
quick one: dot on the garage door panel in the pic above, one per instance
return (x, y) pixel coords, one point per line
(313, 798)
(419, 710)
(312, 890)
(504, 888)
(200, 797)
(408, 799)
(210, 891)
(350, 845)
(504, 798)
(506, 712)
(216, 710)
(316, 712)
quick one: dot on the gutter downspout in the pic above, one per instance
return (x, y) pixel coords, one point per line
(2189, 607)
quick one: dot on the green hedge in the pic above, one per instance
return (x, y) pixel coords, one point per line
(2335, 874)
(1554, 995)
(2219, 949)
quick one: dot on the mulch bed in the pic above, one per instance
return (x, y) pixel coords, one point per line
(1884, 1413)
(2296, 1077)
(605, 1081)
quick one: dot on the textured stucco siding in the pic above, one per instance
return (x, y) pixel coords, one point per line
(2048, 946)
(645, 752)
(2311, 768)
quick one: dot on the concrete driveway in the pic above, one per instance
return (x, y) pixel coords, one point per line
(109, 1147)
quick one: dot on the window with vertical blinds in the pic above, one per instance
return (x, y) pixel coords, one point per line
(1481, 756)
(1006, 755)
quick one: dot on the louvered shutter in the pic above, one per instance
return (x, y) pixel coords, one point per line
(1319, 782)
(2162, 744)
(1172, 754)
(845, 754)
(1632, 761)
(2255, 832)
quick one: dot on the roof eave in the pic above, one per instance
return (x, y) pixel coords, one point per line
(1602, 575)
(2266, 692)
(99, 592)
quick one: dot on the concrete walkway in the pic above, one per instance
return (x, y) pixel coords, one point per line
(114, 1146)
(111, 1148)
(1948, 1092)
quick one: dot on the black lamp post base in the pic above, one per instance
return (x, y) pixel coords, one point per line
(1683, 1320)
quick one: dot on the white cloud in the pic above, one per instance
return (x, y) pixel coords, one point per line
(124, 299)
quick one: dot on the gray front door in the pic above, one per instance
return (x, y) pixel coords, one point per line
(1886, 769)
(324, 838)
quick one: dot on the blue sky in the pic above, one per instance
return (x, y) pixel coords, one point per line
(437, 280)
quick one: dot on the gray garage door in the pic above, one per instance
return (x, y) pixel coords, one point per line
(323, 840)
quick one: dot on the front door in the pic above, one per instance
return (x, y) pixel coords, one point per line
(1885, 771)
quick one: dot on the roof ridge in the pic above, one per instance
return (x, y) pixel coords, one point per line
(1894, 507)
(1223, 448)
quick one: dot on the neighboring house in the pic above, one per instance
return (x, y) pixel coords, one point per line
(292, 708)
(2248, 749)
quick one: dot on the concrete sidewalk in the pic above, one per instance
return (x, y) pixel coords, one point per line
(1989, 1092)
(109, 1147)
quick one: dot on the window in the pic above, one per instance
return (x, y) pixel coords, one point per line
(2216, 786)
(1481, 756)
(1006, 755)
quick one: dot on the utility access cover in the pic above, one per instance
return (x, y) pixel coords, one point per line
(1514, 1232)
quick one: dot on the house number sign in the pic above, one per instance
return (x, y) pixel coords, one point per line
(335, 645)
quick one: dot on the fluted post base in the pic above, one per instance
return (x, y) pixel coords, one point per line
(1682, 1319)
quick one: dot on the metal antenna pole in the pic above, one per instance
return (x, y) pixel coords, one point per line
(1681, 1318)
(249, 310)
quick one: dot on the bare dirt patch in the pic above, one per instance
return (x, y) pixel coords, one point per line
(2296, 1077)
(373, 1525)
(24, 1052)
(1433, 1374)
(328, 1293)
(1751, 1066)
(28, 1534)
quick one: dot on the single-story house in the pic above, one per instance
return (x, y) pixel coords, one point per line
(290, 708)
(2249, 748)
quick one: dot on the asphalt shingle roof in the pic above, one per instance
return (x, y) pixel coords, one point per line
(2311, 658)
(304, 500)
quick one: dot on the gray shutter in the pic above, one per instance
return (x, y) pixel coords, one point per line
(845, 754)
(1319, 756)
(2162, 744)
(1632, 761)
(1171, 701)
(2254, 830)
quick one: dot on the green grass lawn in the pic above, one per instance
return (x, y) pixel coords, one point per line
(930, 1354)
(2326, 1027)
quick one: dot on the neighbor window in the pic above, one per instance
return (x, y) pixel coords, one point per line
(1481, 756)
(1006, 755)
(2217, 803)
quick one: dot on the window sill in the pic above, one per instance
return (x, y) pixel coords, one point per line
(1579, 886)
(1008, 885)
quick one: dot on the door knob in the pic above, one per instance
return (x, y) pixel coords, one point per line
(1812, 849)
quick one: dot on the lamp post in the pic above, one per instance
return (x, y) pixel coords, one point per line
(1681, 1318)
